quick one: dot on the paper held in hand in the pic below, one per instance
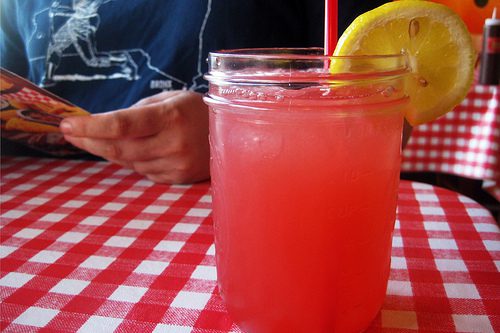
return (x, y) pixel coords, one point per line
(31, 115)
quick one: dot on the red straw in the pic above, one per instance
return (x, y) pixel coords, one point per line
(331, 25)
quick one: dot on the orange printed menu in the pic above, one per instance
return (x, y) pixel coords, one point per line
(31, 115)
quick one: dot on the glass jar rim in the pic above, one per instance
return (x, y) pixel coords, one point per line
(272, 65)
(296, 53)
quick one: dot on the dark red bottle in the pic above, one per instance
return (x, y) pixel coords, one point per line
(489, 72)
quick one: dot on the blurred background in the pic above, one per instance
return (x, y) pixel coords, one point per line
(474, 13)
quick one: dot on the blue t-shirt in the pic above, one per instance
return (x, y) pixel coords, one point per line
(108, 54)
(104, 55)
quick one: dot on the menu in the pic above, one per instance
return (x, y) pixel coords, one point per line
(31, 115)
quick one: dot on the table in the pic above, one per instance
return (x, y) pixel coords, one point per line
(464, 142)
(91, 247)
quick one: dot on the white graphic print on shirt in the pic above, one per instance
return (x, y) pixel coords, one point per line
(72, 28)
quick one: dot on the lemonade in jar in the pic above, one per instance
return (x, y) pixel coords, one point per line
(305, 157)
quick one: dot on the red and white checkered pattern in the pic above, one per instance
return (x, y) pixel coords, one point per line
(464, 142)
(92, 247)
(27, 95)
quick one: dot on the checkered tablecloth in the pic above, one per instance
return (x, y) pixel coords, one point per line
(92, 247)
(464, 142)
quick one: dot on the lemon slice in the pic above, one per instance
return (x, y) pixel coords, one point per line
(439, 47)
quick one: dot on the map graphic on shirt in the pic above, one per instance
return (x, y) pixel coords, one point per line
(73, 25)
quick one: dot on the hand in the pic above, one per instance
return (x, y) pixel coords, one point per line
(164, 137)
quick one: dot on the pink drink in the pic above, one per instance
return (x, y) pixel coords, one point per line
(304, 194)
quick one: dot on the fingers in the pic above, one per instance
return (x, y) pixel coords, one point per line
(157, 98)
(164, 137)
(125, 150)
(148, 117)
(170, 165)
(126, 123)
(174, 171)
(160, 167)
